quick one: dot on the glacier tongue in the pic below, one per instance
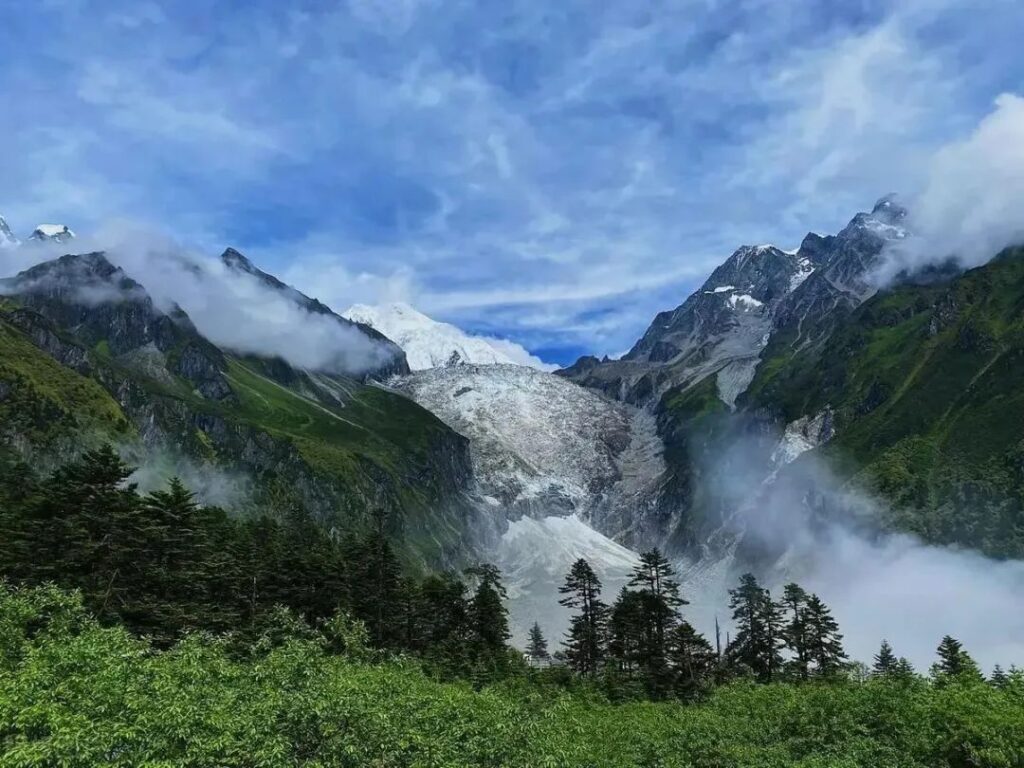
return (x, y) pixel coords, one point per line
(561, 471)
(535, 555)
(540, 444)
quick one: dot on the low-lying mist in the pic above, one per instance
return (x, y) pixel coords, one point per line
(801, 522)
(211, 485)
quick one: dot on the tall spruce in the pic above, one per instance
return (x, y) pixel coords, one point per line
(537, 646)
(794, 632)
(758, 641)
(488, 614)
(824, 642)
(585, 641)
(885, 661)
(626, 631)
(692, 659)
(653, 579)
(954, 663)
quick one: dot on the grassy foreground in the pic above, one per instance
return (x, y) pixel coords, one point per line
(73, 693)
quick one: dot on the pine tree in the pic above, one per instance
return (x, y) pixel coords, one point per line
(794, 632)
(999, 678)
(626, 631)
(585, 645)
(692, 659)
(758, 637)
(376, 587)
(885, 661)
(824, 643)
(903, 670)
(488, 615)
(954, 663)
(537, 647)
(654, 580)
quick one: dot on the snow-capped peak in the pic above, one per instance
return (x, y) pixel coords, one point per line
(431, 344)
(7, 238)
(55, 233)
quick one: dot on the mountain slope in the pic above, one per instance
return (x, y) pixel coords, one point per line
(86, 350)
(912, 393)
(388, 358)
(428, 343)
(925, 384)
(722, 327)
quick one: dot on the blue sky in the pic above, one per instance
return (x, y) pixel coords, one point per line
(553, 172)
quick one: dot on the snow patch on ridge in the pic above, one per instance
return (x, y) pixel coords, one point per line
(431, 344)
(58, 233)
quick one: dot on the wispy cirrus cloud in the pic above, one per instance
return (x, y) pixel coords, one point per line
(583, 163)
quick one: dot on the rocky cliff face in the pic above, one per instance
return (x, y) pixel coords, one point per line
(722, 328)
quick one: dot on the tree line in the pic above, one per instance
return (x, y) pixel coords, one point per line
(642, 640)
(164, 565)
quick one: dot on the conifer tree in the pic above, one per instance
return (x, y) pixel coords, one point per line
(692, 659)
(794, 633)
(903, 670)
(885, 661)
(376, 588)
(537, 646)
(488, 615)
(758, 640)
(626, 631)
(654, 581)
(824, 643)
(954, 662)
(999, 678)
(585, 641)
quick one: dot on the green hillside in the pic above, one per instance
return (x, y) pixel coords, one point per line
(927, 387)
(332, 447)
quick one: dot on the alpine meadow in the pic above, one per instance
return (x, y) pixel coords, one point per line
(449, 384)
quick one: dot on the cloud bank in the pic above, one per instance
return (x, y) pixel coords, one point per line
(585, 164)
(972, 204)
(804, 524)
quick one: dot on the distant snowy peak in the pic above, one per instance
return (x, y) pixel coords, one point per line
(7, 238)
(432, 344)
(52, 233)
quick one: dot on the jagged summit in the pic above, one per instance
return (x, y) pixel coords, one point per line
(7, 238)
(393, 357)
(723, 327)
(52, 233)
(427, 342)
(109, 310)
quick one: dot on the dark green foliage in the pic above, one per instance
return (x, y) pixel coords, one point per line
(795, 632)
(77, 694)
(824, 643)
(585, 643)
(885, 661)
(759, 635)
(537, 646)
(164, 565)
(954, 664)
(692, 659)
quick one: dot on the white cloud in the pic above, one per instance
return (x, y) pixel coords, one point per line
(972, 203)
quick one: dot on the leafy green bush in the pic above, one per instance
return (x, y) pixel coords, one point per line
(73, 693)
